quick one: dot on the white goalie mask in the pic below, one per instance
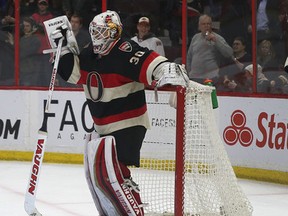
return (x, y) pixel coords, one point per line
(105, 29)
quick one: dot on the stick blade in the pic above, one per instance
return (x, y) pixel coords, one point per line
(34, 212)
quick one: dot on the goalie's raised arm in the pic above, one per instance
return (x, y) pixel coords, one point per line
(170, 73)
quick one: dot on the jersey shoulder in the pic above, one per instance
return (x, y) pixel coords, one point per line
(129, 47)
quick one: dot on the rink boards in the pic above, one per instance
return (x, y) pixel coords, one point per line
(253, 130)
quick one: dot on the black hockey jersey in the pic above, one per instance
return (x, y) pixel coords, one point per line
(113, 84)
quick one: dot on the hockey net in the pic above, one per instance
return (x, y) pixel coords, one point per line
(185, 169)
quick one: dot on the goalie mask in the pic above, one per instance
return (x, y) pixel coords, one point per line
(105, 29)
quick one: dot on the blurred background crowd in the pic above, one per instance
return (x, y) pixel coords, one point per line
(230, 19)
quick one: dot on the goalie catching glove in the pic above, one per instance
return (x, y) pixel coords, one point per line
(170, 73)
(58, 28)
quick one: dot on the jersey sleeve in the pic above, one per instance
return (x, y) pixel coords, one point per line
(69, 68)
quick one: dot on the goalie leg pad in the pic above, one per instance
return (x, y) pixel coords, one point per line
(102, 203)
(108, 178)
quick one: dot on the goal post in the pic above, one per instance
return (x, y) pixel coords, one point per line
(179, 151)
(185, 169)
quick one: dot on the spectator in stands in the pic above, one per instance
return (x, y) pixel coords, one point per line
(71, 7)
(279, 85)
(263, 84)
(6, 58)
(269, 25)
(205, 52)
(145, 38)
(171, 18)
(234, 20)
(212, 8)
(244, 83)
(233, 70)
(8, 20)
(39, 17)
(266, 57)
(27, 8)
(2, 6)
(241, 57)
(272, 68)
(56, 7)
(42, 14)
(29, 56)
(284, 22)
(82, 35)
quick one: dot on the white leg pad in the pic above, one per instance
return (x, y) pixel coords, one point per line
(102, 203)
(111, 194)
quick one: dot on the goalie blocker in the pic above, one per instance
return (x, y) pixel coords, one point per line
(57, 28)
(113, 195)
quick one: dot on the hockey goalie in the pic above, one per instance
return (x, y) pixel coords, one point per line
(113, 72)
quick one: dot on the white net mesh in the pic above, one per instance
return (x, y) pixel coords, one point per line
(209, 183)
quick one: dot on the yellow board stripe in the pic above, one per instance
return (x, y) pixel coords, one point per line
(262, 175)
(241, 172)
(49, 157)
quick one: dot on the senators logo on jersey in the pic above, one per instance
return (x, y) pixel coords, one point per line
(125, 47)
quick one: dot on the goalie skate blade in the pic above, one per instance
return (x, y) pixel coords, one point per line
(34, 213)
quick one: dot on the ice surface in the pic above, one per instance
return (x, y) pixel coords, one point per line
(63, 191)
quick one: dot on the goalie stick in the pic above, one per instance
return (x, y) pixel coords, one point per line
(30, 196)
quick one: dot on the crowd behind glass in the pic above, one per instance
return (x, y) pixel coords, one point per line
(230, 18)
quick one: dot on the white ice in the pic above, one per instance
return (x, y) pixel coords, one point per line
(63, 191)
